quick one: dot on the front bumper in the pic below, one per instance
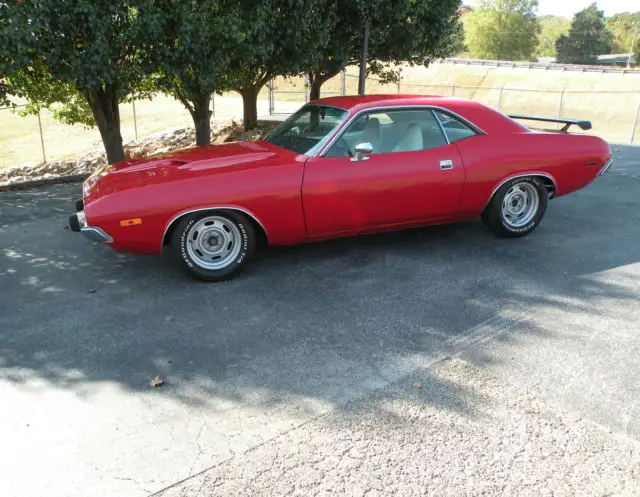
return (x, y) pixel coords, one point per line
(78, 223)
(606, 167)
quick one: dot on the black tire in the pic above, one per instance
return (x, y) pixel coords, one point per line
(188, 244)
(497, 221)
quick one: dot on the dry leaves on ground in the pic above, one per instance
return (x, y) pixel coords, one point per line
(159, 143)
(157, 381)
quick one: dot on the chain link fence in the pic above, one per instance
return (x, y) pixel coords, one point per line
(32, 139)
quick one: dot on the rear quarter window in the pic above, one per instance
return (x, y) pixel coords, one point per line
(455, 129)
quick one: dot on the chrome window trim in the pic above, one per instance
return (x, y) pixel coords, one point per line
(342, 129)
(211, 208)
(317, 104)
(524, 175)
(464, 121)
(446, 136)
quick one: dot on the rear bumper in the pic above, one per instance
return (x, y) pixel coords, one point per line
(78, 223)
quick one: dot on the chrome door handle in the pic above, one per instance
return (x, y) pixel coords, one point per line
(445, 165)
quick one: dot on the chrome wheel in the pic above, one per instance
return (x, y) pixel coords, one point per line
(520, 204)
(213, 242)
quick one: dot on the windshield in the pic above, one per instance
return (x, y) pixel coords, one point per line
(308, 129)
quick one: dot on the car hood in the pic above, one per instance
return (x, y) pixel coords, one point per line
(180, 164)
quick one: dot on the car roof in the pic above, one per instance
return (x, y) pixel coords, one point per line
(483, 117)
(365, 101)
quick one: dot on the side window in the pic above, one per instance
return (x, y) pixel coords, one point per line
(401, 130)
(456, 130)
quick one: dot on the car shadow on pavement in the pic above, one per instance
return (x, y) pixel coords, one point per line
(314, 325)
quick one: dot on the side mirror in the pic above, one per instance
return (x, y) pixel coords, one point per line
(363, 151)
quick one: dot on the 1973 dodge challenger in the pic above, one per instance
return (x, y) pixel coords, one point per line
(339, 167)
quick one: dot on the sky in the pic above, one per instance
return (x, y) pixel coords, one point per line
(568, 8)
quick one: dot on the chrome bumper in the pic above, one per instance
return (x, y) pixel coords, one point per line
(606, 167)
(78, 223)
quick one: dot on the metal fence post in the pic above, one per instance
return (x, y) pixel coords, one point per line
(343, 82)
(44, 156)
(500, 98)
(560, 106)
(635, 124)
(213, 105)
(398, 86)
(306, 88)
(271, 99)
(453, 89)
(135, 120)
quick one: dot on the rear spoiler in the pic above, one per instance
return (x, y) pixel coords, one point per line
(583, 125)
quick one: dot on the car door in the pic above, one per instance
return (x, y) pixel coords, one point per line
(413, 174)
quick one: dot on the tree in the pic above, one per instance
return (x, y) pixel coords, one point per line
(187, 46)
(83, 47)
(502, 29)
(423, 31)
(338, 51)
(275, 38)
(623, 27)
(399, 31)
(587, 38)
(41, 91)
(551, 29)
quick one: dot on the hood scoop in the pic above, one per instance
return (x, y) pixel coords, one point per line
(137, 165)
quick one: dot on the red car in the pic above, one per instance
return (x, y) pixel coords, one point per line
(339, 167)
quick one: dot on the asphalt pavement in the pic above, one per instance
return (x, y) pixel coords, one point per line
(304, 347)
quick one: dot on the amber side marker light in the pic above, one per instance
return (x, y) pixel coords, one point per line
(130, 222)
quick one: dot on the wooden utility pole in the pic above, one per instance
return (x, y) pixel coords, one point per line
(633, 42)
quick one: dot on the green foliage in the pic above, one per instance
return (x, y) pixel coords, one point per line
(80, 58)
(187, 46)
(502, 29)
(551, 29)
(34, 88)
(399, 31)
(273, 38)
(64, 50)
(623, 27)
(414, 31)
(86, 44)
(587, 38)
(343, 19)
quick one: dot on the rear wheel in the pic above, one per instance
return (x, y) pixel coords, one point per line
(213, 246)
(517, 208)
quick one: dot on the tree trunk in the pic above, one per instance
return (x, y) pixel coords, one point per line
(250, 106)
(104, 105)
(314, 89)
(317, 80)
(201, 115)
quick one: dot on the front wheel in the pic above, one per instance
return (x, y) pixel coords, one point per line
(517, 208)
(213, 246)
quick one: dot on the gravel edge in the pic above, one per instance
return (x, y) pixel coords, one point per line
(72, 178)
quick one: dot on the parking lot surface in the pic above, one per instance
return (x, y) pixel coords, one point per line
(319, 336)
